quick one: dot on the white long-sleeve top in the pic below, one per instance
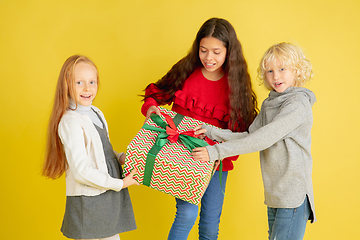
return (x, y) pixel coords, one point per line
(87, 173)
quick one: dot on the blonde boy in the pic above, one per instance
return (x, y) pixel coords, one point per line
(282, 134)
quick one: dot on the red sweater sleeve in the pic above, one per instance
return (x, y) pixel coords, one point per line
(148, 102)
(152, 89)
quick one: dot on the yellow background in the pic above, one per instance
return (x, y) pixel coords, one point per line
(134, 43)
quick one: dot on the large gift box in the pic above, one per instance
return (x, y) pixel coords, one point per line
(161, 152)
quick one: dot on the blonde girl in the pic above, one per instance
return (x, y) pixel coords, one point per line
(98, 204)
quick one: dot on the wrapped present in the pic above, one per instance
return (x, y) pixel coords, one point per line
(161, 152)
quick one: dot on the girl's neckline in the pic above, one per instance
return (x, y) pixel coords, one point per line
(78, 106)
(212, 79)
(88, 111)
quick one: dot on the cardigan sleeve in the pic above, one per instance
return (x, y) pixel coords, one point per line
(288, 119)
(81, 160)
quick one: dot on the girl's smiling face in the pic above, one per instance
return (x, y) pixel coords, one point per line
(85, 83)
(279, 77)
(212, 54)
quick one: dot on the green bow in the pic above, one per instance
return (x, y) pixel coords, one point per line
(189, 142)
(163, 137)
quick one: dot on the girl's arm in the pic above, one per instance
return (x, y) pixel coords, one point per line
(148, 102)
(129, 179)
(152, 89)
(120, 157)
(287, 120)
(150, 111)
(83, 169)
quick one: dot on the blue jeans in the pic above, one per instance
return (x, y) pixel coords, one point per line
(211, 207)
(288, 223)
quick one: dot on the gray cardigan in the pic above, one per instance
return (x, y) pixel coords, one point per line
(282, 134)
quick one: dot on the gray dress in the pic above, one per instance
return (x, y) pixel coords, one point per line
(104, 215)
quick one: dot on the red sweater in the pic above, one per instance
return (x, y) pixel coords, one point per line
(202, 99)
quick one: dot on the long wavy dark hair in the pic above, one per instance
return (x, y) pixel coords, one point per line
(243, 101)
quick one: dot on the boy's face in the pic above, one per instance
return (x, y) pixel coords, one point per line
(279, 77)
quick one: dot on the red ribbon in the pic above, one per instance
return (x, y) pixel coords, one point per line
(173, 134)
(172, 130)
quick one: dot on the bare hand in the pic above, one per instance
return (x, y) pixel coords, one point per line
(201, 154)
(122, 159)
(150, 111)
(217, 163)
(199, 131)
(129, 179)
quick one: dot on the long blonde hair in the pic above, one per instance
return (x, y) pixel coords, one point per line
(55, 163)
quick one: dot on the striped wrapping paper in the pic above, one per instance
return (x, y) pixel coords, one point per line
(172, 169)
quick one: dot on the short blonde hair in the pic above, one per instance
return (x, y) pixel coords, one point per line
(289, 56)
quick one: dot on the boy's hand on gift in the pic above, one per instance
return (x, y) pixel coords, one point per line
(129, 179)
(200, 132)
(150, 111)
(201, 154)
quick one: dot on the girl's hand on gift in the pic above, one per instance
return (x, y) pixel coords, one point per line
(200, 132)
(122, 159)
(129, 179)
(150, 111)
(217, 163)
(201, 154)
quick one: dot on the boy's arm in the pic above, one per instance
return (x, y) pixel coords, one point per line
(221, 135)
(288, 119)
